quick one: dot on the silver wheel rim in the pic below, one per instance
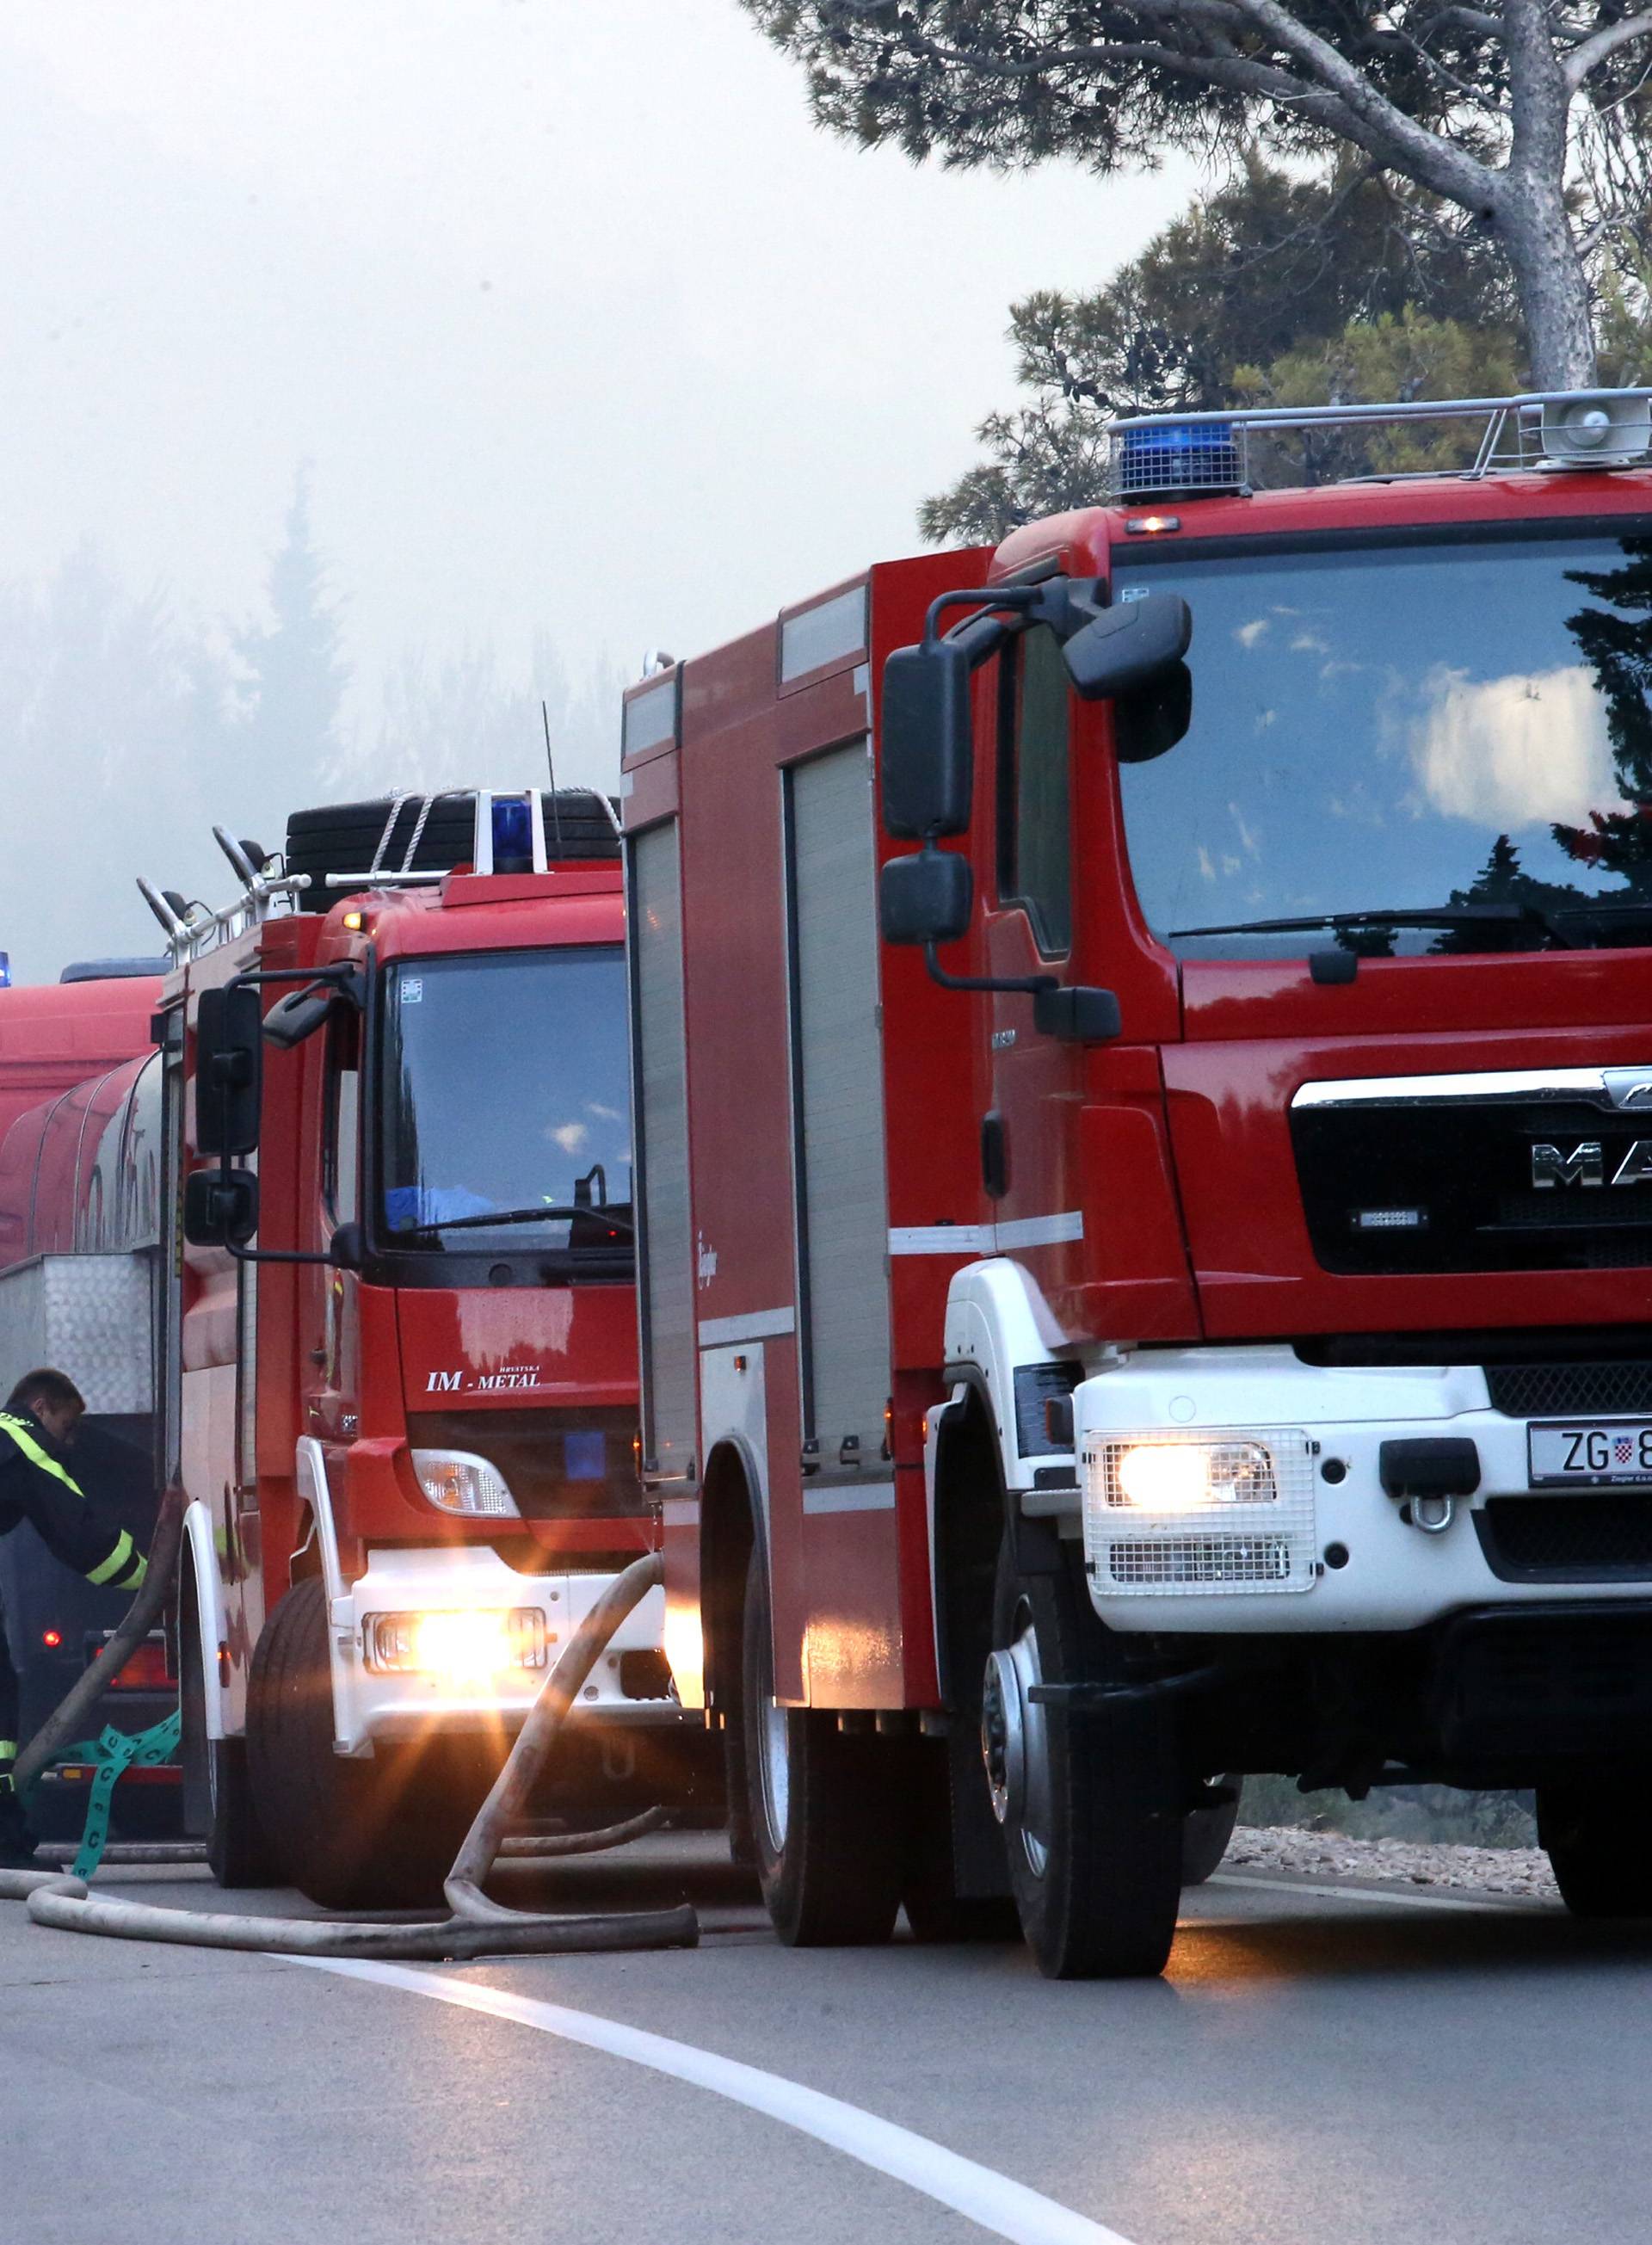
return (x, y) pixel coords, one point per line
(1015, 1746)
(774, 1765)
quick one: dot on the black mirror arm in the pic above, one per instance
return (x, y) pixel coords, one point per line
(1030, 983)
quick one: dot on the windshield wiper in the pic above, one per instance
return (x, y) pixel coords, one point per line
(548, 1209)
(1492, 913)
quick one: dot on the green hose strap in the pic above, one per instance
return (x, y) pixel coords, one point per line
(112, 1753)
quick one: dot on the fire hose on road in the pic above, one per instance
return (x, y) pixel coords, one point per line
(477, 1927)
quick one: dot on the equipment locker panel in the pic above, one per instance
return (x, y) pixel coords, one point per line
(842, 1223)
(662, 1151)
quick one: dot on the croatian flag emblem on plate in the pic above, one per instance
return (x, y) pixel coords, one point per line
(1623, 1449)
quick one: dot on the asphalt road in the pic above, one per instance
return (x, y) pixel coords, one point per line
(1322, 2063)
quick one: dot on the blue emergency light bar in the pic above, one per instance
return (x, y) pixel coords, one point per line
(1166, 458)
(5, 970)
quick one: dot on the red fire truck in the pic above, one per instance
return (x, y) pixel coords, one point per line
(1145, 1256)
(79, 1232)
(405, 1419)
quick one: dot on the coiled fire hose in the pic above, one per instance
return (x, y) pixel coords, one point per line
(477, 1927)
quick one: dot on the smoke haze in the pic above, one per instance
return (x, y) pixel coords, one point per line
(372, 372)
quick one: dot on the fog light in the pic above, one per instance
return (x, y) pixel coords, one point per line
(1184, 1476)
(464, 1645)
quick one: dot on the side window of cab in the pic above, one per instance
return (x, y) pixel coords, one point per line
(341, 1135)
(1034, 829)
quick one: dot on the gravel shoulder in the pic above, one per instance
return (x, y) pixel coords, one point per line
(1522, 1871)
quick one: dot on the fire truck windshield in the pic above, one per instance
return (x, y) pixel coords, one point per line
(1402, 730)
(506, 1119)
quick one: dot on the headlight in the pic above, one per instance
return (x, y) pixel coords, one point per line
(1184, 1476)
(1198, 1513)
(456, 1481)
(463, 1646)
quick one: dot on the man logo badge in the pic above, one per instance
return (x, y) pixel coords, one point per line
(1586, 1165)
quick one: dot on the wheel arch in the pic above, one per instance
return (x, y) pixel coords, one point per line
(200, 1607)
(731, 1522)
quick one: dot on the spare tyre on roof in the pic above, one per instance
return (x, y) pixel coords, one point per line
(433, 834)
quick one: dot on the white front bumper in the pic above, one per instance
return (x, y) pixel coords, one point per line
(369, 1706)
(1264, 1568)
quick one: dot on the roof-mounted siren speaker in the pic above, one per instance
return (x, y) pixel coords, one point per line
(1597, 429)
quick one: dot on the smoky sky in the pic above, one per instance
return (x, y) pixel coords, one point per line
(569, 332)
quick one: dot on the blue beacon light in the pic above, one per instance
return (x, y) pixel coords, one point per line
(1180, 456)
(5, 970)
(513, 835)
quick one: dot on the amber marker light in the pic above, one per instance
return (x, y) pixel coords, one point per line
(1152, 526)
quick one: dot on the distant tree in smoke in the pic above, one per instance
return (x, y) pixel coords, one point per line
(454, 722)
(118, 707)
(291, 741)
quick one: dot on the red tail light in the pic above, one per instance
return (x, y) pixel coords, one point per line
(146, 1668)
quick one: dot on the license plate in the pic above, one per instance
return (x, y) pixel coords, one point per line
(1584, 1452)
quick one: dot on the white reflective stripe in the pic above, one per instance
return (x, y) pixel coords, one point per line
(1041, 1231)
(679, 1511)
(850, 1497)
(986, 1238)
(752, 1325)
(996, 2204)
(940, 1239)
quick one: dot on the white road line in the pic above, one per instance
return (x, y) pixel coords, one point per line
(992, 2200)
(1311, 1888)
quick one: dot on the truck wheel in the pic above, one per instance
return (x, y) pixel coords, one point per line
(1094, 1851)
(1205, 1836)
(935, 1911)
(218, 1793)
(824, 1818)
(374, 1834)
(1597, 1853)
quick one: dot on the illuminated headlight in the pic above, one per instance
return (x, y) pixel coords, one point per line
(1171, 1514)
(456, 1480)
(460, 1646)
(1184, 1476)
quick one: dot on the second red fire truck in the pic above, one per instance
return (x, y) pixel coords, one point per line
(1146, 1153)
(387, 1138)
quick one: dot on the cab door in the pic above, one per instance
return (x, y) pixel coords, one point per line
(1029, 1155)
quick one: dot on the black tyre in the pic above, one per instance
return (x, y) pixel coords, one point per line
(742, 1844)
(935, 1911)
(1598, 1851)
(1087, 1800)
(217, 1788)
(377, 1835)
(825, 1821)
(1206, 1833)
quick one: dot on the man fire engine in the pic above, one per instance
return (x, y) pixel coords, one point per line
(1175, 1304)
(396, 1332)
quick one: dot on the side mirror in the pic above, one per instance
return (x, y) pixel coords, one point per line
(925, 899)
(344, 1248)
(1146, 724)
(229, 1070)
(927, 745)
(220, 1206)
(298, 1015)
(1129, 647)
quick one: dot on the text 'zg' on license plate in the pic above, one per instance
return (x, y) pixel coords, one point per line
(1589, 1450)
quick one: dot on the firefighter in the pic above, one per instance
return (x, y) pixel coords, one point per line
(37, 1430)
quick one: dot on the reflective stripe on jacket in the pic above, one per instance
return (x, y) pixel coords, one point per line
(37, 1487)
